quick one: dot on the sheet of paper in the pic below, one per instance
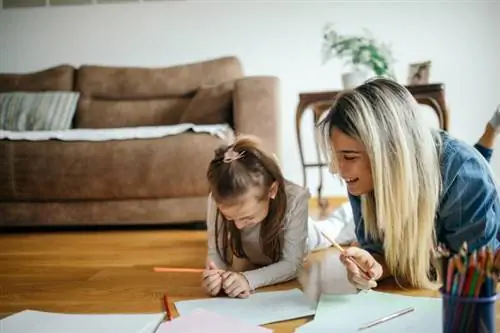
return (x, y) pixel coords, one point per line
(347, 313)
(30, 321)
(200, 320)
(259, 309)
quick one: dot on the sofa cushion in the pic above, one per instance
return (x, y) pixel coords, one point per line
(210, 105)
(167, 167)
(58, 78)
(140, 96)
(102, 113)
(42, 111)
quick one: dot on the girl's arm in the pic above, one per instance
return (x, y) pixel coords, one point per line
(293, 252)
(213, 255)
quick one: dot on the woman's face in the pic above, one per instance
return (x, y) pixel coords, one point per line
(248, 210)
(353, 163)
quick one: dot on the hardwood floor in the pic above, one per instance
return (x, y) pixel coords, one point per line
(103, 271)
(111, 271)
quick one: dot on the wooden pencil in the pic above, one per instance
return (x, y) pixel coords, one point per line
(342, 250)
(177, 270)
(168, 310)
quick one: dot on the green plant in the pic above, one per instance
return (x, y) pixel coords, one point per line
(358, 51)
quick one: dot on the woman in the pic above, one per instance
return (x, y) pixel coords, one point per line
(410, 187)
(340, 223)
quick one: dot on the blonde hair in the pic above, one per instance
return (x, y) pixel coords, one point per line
(405, 164)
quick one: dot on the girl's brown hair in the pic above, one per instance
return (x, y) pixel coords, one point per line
(230, 179)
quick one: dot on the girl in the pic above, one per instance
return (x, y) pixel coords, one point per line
(410, 187)
(257, 222)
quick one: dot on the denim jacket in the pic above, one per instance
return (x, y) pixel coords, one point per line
(469, 207)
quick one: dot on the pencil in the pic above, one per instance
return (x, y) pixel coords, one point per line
(449, 277)
(386, 318)
(178, 270)
(341, 249)
(167, 308)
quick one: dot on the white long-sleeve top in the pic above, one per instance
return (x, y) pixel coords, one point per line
(294, 241)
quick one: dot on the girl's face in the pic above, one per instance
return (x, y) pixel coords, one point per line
(353, 163)
(248, 210)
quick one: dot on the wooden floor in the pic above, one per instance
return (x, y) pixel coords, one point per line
(102, 272)
(112, 272)
(105, 271)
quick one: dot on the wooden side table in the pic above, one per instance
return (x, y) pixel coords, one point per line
(429, 94)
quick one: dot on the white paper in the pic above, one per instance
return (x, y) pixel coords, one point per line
(347, 313)
(30, 321)
(259, 309)
(202, 321)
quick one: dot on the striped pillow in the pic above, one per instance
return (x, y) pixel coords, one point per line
(37, 111)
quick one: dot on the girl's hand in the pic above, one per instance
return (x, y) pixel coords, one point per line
(212, 279)
(367, 262)
(235, 285)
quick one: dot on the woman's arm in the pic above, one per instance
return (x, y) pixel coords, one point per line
(293, 252)
(213, 254)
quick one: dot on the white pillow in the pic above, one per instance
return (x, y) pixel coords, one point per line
(37, 111)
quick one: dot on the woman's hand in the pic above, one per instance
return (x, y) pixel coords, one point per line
(212, 279)
(367, 262)
(235, 284)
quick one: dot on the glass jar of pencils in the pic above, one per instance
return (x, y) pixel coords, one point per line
(469, 290)
(467, 314)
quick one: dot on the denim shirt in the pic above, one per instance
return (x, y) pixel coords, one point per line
(469, 206)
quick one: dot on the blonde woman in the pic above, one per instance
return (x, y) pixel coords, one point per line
(410, 187)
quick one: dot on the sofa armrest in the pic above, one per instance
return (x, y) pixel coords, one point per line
(256, 109)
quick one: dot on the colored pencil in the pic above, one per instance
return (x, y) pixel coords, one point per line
(449, 275)
(168, 313)
(168, 310)
(177, 270)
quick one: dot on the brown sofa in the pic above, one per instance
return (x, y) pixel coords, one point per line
(136, 181)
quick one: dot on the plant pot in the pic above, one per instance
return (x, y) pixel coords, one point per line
(353, 79)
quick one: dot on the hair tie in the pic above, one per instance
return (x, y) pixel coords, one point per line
(231, 155)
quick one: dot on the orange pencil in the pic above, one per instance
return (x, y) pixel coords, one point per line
(178, 270)
(167, 308)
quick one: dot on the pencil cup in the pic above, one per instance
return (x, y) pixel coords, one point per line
(468, 314)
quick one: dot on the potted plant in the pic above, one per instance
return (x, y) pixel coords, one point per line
(363, 54)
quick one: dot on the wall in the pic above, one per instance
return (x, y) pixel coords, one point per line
(272, 38)
(495, 26)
